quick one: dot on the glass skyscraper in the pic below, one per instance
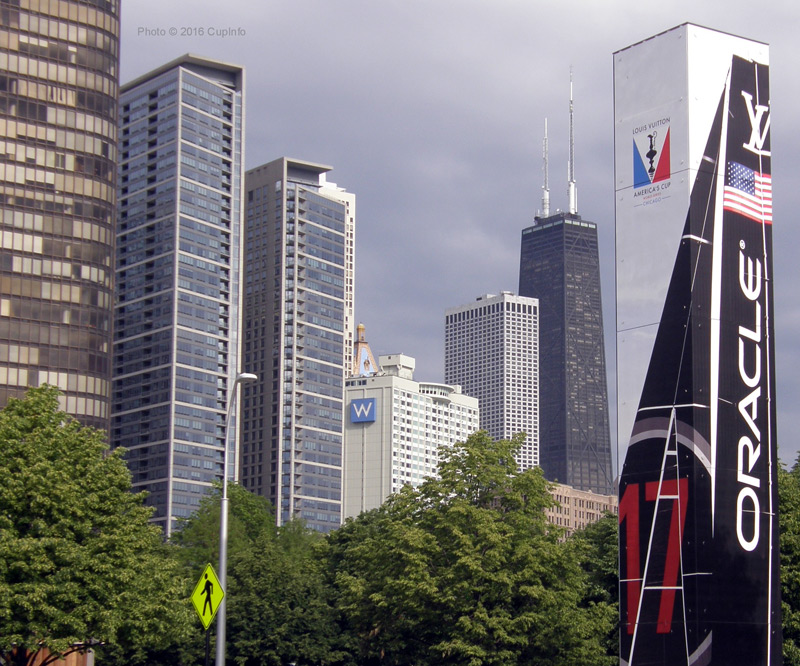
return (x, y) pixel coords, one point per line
(177, 315)
(59, 65)
(559, 265)
(298, 338)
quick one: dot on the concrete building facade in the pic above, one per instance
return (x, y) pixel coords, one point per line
(492, 352)
(578, 508)
(395, 428)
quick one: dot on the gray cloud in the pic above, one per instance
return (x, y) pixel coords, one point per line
(431, 111)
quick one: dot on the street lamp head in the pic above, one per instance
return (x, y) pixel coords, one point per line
(246, 378)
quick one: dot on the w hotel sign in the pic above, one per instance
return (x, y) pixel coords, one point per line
(362, 410)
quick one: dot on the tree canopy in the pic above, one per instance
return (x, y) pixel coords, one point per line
(466, 570)
(597, 547)
(463, 570)
(79, 563)
(789, 519)
(278, 607)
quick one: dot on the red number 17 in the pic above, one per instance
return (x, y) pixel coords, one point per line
(678, 492)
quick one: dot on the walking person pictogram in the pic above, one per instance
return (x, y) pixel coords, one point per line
(208, 590)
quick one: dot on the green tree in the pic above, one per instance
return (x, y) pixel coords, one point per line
(278, 608)
(80, 564)
(250, 517)
(598, 549)
(163, 632)
(196, 543)
(789, 520)
(466, 570)
(281, 611)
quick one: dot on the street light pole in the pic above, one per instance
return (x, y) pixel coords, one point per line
(241, 378)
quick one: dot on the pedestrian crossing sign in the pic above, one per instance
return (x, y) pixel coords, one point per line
(207, 596)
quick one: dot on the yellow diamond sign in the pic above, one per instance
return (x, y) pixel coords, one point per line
(207, 596)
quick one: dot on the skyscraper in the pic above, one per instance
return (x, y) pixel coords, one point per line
(560, 265)
(59, 66)
(298, 338)
(491, 350)
(177, 316)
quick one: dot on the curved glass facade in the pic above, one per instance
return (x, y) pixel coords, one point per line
(59, 62)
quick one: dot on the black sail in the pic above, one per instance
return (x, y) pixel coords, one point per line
(699, 581)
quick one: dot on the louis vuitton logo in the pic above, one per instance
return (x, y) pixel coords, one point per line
(758, 136)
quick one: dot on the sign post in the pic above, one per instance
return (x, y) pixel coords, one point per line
(206, 599)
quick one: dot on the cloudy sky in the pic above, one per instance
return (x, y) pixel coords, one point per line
(432, 113)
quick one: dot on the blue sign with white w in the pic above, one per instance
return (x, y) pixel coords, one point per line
(362, 410)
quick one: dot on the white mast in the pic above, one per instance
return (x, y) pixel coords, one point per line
(546, 186)
(572, 189)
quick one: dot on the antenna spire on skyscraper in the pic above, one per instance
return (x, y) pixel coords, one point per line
(572, 189)
(546, 186)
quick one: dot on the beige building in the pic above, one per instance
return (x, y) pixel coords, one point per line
(577, 508)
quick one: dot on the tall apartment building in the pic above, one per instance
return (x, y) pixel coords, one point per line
(492, 351)
(560, 266)
(395, 428)
(177, 315)
(298, 338)
(59, 68)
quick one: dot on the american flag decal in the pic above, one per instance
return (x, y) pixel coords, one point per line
(748, 193)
